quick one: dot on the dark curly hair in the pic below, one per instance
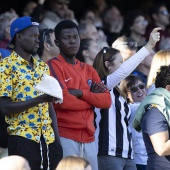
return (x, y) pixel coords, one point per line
(129, 20)
(163, 77)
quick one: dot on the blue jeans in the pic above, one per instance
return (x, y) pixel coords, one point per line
(107, 162)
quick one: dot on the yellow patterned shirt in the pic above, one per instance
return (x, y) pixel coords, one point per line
(17, 81)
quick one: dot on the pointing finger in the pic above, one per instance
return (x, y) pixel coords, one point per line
(156, 29)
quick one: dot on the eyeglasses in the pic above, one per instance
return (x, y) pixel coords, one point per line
(135, 88)
(144, 22)
(132, 44)
(166, 13)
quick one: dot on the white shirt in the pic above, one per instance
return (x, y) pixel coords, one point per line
(139, 149)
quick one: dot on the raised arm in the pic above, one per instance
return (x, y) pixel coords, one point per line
(153, 39)
(129, 65)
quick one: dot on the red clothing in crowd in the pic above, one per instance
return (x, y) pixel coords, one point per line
(75, 115)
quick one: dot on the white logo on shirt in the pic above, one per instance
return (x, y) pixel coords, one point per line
(66, 80)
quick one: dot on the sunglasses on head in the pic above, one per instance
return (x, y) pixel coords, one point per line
(135, 88)
(104, 53)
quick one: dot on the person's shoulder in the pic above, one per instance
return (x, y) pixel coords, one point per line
(55, 60)
(153, 121)
(8, 59)
(152, 111)
(41, 64)
(38, 60)
(87, 66)
(4, 52)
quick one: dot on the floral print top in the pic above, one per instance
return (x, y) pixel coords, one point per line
(17, 81)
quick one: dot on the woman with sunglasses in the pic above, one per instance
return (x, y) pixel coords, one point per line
(153, 119)
(113, 133)
(135, 91)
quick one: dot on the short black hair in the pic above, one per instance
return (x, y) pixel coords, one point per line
(163, 77)
(129, 21)
(65, 24)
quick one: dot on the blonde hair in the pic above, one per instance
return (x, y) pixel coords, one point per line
(161, 58)
(72, 163)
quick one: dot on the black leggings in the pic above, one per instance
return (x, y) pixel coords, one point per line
(30, 150)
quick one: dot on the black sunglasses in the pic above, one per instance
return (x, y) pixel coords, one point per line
(135, 88)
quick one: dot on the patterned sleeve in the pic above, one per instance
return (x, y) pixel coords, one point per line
(6, 78)
(47, 70)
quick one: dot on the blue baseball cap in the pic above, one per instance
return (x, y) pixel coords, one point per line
(18, 25)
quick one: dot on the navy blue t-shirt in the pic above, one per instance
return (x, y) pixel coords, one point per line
(154, 122)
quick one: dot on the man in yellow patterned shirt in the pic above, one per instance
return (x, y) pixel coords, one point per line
(33, 131)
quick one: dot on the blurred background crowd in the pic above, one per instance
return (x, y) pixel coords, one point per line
(103, 21)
